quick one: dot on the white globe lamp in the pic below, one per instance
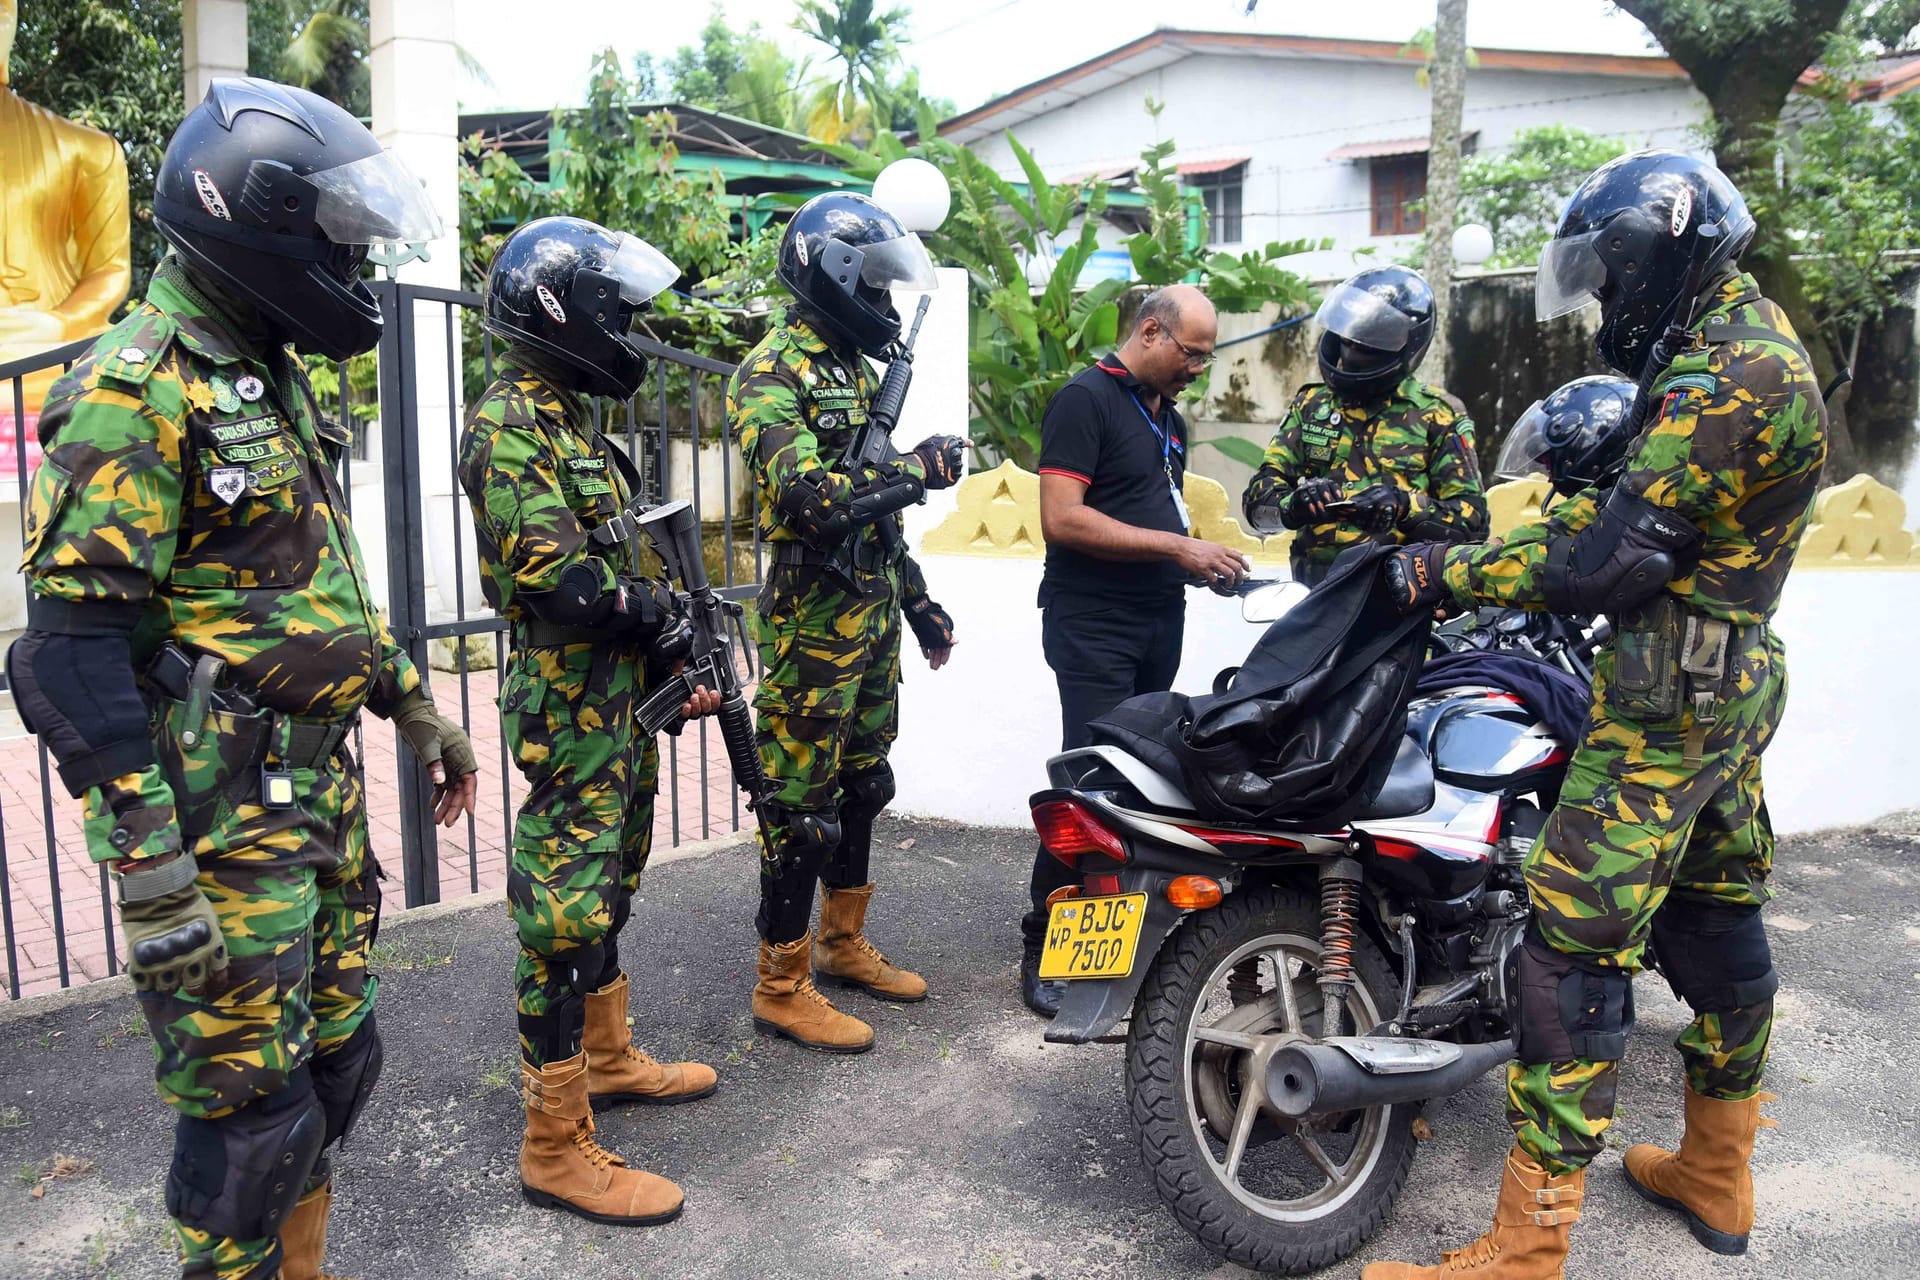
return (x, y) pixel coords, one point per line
(1472, 245)
(915, 192)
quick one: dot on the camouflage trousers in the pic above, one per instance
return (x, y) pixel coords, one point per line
(297, 894)
(583, 833)
(1640, 833)
(826, 705)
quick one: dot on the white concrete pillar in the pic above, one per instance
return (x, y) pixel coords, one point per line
(416, 115)
(213, 42)
(937, 403)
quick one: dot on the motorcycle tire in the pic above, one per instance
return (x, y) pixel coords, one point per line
(1168, 1120)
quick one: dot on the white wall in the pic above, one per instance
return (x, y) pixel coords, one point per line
(1287, 114)
(976, 735)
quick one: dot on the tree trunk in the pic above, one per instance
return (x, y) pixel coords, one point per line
(1447, 78)
(1745, 78)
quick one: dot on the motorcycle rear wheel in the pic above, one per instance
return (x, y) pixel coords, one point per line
(1267, 1193)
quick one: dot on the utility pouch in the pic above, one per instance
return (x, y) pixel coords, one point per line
(204, 751)
(1703, 657)
(1647, 682)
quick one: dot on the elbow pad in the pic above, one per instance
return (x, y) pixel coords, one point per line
(1620, 560)
(631, 606)
(77, 693)
(884, 495)
(1264, 504)
(808, 508)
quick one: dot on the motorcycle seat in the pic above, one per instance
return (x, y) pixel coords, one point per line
(1408, 788)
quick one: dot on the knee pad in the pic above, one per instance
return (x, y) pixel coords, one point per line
(1714, 955)
(1562, 1008)
(864, 795)
(343, 1080)
(812, 836)
(239, 1175)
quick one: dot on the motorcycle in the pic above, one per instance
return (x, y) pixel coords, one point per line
(1296, 995)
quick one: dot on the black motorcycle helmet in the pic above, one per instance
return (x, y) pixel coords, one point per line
(1378, 326)
(1628, 238)
(842, 256)
(275, 195)
(1580, 437)
(570, 289)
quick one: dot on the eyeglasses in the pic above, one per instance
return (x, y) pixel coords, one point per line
(1195, 359)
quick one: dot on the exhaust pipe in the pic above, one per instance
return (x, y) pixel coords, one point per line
(1353, 1072)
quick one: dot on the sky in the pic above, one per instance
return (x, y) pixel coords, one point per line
(973, 50)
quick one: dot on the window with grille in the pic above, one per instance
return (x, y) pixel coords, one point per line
(1222, 194)
(1399, 195)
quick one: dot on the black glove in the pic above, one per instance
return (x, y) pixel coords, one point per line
(433, 737)
(932, 625)
(1412, 576)
(641, 604)
(673, 645)
(1381, 508)
(943, 458)
(1309, 501)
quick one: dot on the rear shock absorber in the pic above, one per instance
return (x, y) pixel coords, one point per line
(1339, 923)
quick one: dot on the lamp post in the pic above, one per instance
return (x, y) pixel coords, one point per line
(915, 192)
(1472, 245)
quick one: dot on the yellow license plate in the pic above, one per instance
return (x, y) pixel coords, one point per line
(1093, 937)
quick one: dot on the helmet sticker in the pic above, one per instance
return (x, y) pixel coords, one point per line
(551, 303)
(800, 249)
(1682, 211)
(210, 196)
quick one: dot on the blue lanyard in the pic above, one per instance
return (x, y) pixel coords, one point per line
(1165, 438)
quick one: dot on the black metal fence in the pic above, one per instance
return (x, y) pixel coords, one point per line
(57, 932)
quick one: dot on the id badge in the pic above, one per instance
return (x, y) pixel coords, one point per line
(1179, 506)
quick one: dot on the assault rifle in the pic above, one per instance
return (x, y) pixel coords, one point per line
(716, 622)
(871, 446)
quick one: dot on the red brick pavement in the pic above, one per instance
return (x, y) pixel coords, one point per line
(472, 855)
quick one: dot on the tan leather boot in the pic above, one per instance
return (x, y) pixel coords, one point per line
(1528, 1240)
(844, 954)
(617, 1072)
(562, 1167)
(1708, 1181)
(785, 1003)
(303, 1236)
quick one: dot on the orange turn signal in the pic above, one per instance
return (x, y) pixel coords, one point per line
(1062, 894)
(1193, 893)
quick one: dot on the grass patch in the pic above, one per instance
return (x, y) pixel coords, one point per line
(407, 955)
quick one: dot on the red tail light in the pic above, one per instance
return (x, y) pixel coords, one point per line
(1104, 885)
(1069, 832)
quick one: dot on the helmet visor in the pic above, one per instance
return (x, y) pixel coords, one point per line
(374, 200)
(1571, 276)
(899, 263)
(1365, 318)
(642, 270)
(1524, 455)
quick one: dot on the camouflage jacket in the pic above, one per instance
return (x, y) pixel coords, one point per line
(1418, 439)
(794, 403)
(190, 484)
(538, 483)
(1736, 447)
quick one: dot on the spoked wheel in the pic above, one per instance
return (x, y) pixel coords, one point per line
(1229, 990)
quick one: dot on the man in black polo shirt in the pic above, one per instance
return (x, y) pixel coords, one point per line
(1113, 455)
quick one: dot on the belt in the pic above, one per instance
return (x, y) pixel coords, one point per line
(302, 744)
(538, 633)
(868, 556)
(308, 744)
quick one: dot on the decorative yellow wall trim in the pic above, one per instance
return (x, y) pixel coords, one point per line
(1859, 524)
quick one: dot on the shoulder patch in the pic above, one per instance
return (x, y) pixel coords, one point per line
(1705, 383)
(1447, 398)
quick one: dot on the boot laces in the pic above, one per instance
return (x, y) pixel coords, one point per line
(1478, 1254)
(868, 950)
(590, 1150)
(811, 992)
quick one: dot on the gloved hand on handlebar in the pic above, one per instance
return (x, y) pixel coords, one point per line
(1412, 576)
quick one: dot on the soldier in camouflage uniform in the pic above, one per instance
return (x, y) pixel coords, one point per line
(830, 610)
(1371, 452)
(202, 639)
(1660, 839)
(589, 622)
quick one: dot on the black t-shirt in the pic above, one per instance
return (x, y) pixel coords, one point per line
(1096, 429)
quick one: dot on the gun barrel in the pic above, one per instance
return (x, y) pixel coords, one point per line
(919, 314)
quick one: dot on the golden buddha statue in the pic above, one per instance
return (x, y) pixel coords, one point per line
(65, 256)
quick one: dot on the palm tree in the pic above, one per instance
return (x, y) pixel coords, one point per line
(863, 43)
(326, 51)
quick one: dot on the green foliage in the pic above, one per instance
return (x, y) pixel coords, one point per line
(1026, 342)
(1517, 193)
(1421, 42)
(742, 73)
(113, 65)
(617, 168)
(1853, 176)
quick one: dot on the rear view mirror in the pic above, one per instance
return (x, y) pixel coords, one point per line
(1269, 601)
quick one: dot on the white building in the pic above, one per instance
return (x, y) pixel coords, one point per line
(1300, 137)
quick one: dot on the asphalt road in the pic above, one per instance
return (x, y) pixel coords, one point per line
(962, 1145)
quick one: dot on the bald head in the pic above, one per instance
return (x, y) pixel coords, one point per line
(1172, 339)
